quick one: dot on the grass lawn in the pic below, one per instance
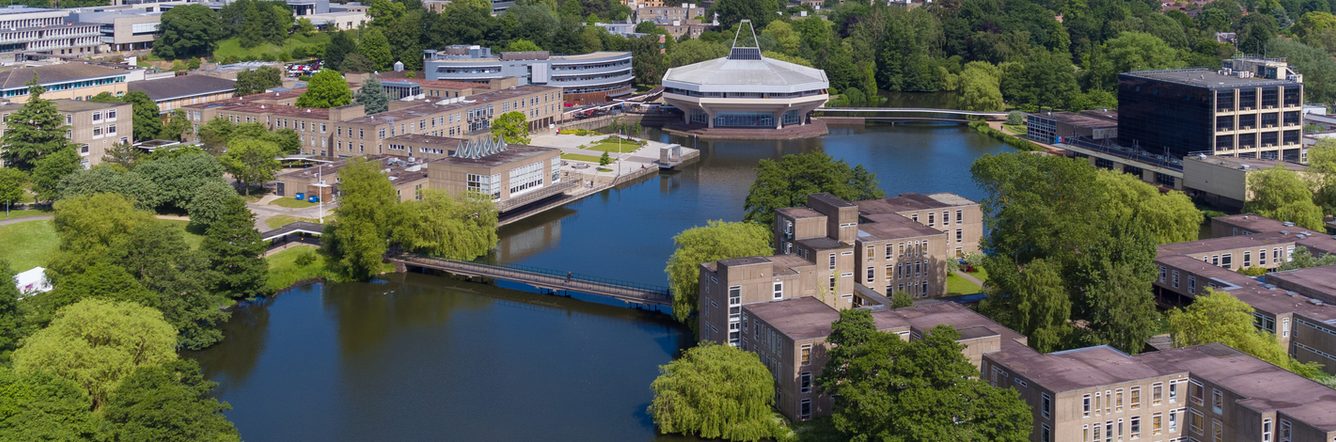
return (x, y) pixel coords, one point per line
(23, 213)
(230, 49)
(193, 239)
(579, 157)
(283, 220)
(611, 145)
(291, 203)
(284, 271)
(955, 285)
(1016, 129)
(28, 244)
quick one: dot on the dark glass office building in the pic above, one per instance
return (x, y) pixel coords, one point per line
(1228, 113)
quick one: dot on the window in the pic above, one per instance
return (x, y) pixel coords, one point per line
(1196, 393)
(1045, 433)
(1175, 278)
(1266, 430)
(1047, 409)
(1118, 400)
(779, 290)
(960, 216)
(1286, 431)
(1135, 427)
(805, 354)
(1173, 391)
(1156, 393)
(1173, 420)
(805, 409)
(832, 261)
(1162, 273)
(1247, 259)
(1097, 402)
(805, 382)
(1156, 423)
(1217, 431)
(1135, 398)
(946, 218)
(1085, 405)
(1085, 433)
(871, 273)
(1285, 328)
(932, 219)
(1195, 421)
(832, 282)
(960, 235)
(1227, 260)
(1261, 257)
(1217, 401)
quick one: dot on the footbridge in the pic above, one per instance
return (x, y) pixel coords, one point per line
(555, 281)
(908, 113)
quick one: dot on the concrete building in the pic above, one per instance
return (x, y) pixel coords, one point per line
(26, 32)
(745, 90)
(93, 127)
(74, 81)
(468, 118)
(1209, 392)
(314, 127)
(1251, 108)
(123, 29)
(1054, 127)
(686, 19)
(585, 78)
(177, 92)
(1290, 305)
(843, 254)
(408, 177)
(512, 175)
(1223, 181)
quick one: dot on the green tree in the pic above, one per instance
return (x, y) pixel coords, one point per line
(1254, 30)
(1304, 258)
(733, 11)
(695, 51)
(1317, 65)
(1322, 164)
(1031, 300)
(326, 89)
(251, 161)
(176, 127)
(33, 131)
(372, 96)
(12, 185)
(122, 155)
(188, 31)
(901, 300)
(1220, 317)
(786, 39)
(1130, 51)
(1317, 29)
(715, 241)
(234, 253)
(980, 87)
(11, 319)
(1281, 194)
(1044, 80)
(179, 173)
(605, 159)
(923, 389)
(147, 117)
(522, 45)
(106, 178)
(376, 48)
(716, 392)
(170, 402)
(94, 226)
(213, 135)
(51, 170)
(461, 228)
(258, 80)
(96, 343)
(358, 238)
(211, 203)
(339, 47)
(41, 406)
(788, 181)
(512, 126)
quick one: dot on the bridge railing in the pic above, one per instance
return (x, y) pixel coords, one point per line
(574, 277)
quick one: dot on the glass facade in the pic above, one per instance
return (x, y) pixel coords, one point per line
(1163, 117)
(744, 119)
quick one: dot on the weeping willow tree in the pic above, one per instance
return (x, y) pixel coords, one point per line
(716, 392)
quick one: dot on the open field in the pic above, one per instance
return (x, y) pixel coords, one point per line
(230, 49)
(28, 244)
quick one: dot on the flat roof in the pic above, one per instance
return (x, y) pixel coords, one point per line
(18, 77)
(799, 212)
(913, 201)
(182, 87)
(1211, 245)
(1319, 280)
(822, 243)
(800, 318)
(513, 153)
(1077, 369)
(1246, 163)
(892, 226)
(64, 105)
(399, 170)
(924, 316)
(432, 108)
(1088, 118)
(1202, 77)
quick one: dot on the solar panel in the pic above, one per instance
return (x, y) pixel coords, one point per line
(745, 54)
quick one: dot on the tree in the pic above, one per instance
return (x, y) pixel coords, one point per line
(1254, 30)
(1304, 258)
(460, 228)
(1317, 29)
(177, 126)
(94, 226)
(326, 89)
(12, 183)
(715, 241)
(923, 389)
(1281, 194)
(339, 47)
(234, 253)
(605, 159)
(214, 135)
(512, 126)
(980, 87)
(733, 11)
(188, 31)
(357, 239)
(32, 132)
(901, 300)
(11, 319)
(372, 96)
(170, 402)
(1031, 300)
(1220, 317)
(258, 80)
(96, 343)
(147, 117)
(694, 51)
(716, 392)
(211, 203)
(1317, 65)
(51, 171)
(1322, 163)
(1130, 51)
(122, 155)
(522, 45)
(251, 161)
(106, 178)
(788, 181)
(41, 406)
(1043, 80)
(376, 48)
(179, 173)
(356, 62)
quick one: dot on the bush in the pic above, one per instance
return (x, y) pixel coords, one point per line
(1016, 117)
(305, 259)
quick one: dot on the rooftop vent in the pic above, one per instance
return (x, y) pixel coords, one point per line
(1314, 301)
(478, 149)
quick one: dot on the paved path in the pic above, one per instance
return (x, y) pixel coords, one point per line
(970, 278)
(264, 211)
(5, 222)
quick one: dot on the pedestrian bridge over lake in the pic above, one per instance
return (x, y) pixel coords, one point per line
(551, 280)
(907, 113)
